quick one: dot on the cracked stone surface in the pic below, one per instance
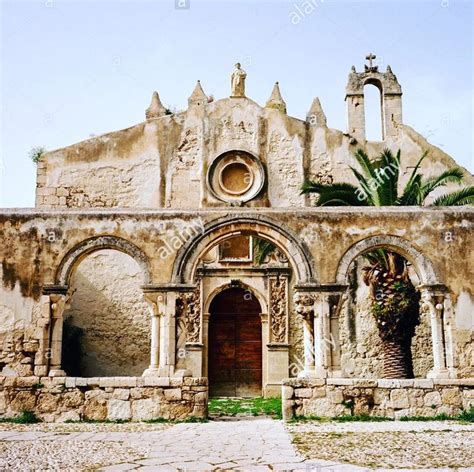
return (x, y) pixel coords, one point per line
(245, 445)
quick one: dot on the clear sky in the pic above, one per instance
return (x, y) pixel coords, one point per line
(70, 70)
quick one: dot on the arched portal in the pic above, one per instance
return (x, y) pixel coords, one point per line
(235, 344)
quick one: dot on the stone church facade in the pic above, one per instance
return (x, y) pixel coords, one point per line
(133, 290)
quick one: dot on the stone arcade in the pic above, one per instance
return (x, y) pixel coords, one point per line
(133, 289)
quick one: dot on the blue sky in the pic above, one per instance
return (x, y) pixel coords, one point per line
(70, 70)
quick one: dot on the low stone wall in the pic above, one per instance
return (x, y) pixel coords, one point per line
(57, 399)
(381, 397)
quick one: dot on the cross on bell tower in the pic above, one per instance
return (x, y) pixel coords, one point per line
(371, 68)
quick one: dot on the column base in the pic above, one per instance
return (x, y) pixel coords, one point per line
(57, 373)
(308, 373)
(438, 374)
(151, 372)
(321, 372)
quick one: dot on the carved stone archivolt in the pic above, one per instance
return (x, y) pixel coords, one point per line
(278, 289)
(188, 314)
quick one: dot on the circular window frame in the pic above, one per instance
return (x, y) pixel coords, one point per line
(248, 171)
(255, 169)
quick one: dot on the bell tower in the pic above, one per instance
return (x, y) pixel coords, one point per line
(390, 99)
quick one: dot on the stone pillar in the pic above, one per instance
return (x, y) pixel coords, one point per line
(321, 322)
(356, 116)
(326, 336)
(265, 342)
(57, 304)
(304, 307)
(432, 303)
(278, 359)
(154, 300)
(43, 326)
(168, 335)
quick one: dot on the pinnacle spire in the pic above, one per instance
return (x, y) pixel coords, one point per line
(276, 100)
(198, 96)
(316, 115)
(156, 108)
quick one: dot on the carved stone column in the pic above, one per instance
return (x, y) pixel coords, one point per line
(189, 319)
(57, 305)
(432, 303)
(277, 349)
(155, 301)
(304, 307)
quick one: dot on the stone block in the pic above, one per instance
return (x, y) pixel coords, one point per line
(47, 403)
(172, 394)
(27, 381)
(176, 381)
(71, 415)
(118, 410)
(95, 405)
(121, 393)
(287, 392)
(92, 381)
(404, 383)
(381, 396)
(156, 381)
(451, 396)
(200, 398)
(342, 382)
(81, 382)
(62, 192)
(70, 382)
(399, 399)
(23, 401)
(388, 383)
(423, 383)
(146, 409)
(364, 383)
(200, 410)
(319, 392)
(336, 396)
(73, 399)
(432, 398)
(303, 393)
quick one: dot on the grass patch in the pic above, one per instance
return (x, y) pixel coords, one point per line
(245, 406)
(25, 417)
(464, 416)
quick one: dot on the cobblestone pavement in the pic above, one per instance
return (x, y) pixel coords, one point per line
(246, 445)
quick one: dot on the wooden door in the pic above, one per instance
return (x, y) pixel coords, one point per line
(235, 345)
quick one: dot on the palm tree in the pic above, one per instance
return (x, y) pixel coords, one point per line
(394, 297)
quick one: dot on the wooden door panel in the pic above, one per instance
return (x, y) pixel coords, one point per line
(235, 345)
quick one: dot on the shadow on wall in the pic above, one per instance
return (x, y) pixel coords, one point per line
(107, 326)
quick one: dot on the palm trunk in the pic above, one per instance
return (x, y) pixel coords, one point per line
(397, 362)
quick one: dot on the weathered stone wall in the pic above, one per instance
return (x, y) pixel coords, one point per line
(35, 243)
(61, 399)
(382, 397)
(107, 305)
(164, 161)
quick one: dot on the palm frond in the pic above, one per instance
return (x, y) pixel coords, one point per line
(464, 196)
(454, 175)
